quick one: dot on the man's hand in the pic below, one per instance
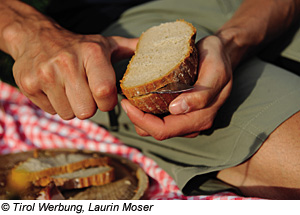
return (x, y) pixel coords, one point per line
(69, 74)
(250, 28)
(193, 111)
(61, 72)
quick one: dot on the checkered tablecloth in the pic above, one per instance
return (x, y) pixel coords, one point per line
(23, 126)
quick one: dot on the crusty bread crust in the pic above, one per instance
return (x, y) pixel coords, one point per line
(50, 192)
(79, 182)
(20, 179)
(184, 72)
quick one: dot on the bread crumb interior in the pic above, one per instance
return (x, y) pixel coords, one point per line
(160, 50)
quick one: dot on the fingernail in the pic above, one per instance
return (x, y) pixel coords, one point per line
(124, 107)
(178, 107)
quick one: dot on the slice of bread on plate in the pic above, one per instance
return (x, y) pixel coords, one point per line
(94, 176)
(33, 169)
(110, 179)
(165, 54)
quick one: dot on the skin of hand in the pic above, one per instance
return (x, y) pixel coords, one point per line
(60, 71)
(70, 75)
(193, 111)
(254, 24)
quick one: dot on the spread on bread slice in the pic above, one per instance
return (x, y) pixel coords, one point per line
(165, 54)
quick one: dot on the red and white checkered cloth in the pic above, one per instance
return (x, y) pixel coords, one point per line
(23, 126)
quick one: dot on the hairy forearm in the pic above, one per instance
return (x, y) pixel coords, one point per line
(256, 23)
(18, 21)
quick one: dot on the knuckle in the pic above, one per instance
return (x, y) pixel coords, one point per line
(64, 60)
(29, 85)
(207, 125)
(64, 57)
(46, 75)
(94, 49)
(202, 100)
(140, 132)
(196, 103)
(103, 91)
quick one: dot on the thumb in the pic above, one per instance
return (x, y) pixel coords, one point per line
(196, 99)
(122, 47)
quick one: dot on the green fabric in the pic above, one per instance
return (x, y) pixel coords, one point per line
(206, 16)
(263, 97)
(292, 51)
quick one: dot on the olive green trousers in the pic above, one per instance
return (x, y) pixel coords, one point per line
(263, 96)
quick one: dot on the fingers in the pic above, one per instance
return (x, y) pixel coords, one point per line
(61, 104)
(70, 95)
(214, 78)
(200, 97)
(100, 73)
(193, 111)
(41, 100)
(170, 126)
(48, 89)
(80, 99)
(143, 133)
(74, 76)
(101, 79)
(49, 102)
(74, 80)
(122, 47)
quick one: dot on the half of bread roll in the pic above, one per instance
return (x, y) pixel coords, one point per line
(165, 54)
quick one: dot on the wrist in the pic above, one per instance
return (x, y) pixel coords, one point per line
(19, 23)
(19, 34)
(238, 43)
(252, 27)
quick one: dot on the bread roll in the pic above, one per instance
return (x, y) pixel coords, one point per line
(165, 54)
